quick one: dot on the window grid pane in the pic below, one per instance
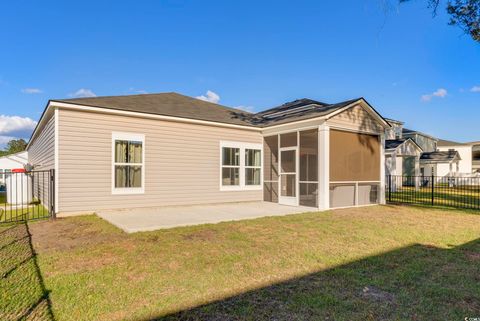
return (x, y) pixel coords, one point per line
(252, 176)
(230, 176)
(127, 152)
(128, 176)
(252, 157)
(231, 156)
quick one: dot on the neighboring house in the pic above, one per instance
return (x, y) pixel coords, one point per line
(426, 142)
(10, 162)
(395, 131)
(402, 155)
(434, 160)
(440, 163)
(168, 149)
(475, 156)
(465, 152)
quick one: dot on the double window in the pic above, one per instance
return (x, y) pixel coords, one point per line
(128, 163)
(241, 166)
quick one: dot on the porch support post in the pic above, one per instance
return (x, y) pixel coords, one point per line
(382, 168)
(323, 167)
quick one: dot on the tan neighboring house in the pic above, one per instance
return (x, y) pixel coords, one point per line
(168, 149)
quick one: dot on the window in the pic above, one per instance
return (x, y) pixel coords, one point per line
(231, 166)
(253, 166)
(241, 166)
(128, 163)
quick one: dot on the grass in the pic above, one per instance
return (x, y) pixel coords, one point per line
(10, 213)
(22, 292)
(463, 197)
(383, 262)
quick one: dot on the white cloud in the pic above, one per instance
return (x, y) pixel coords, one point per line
(32, 91)
(441, 93)
(83, 93)
(15, 127)
(210, 96)
(475, 89)
(248, 109)
(137, 91)
(5, 139)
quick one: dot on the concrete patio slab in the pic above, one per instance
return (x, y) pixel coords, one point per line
(155, 218)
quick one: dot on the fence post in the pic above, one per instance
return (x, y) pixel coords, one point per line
(433, 190)
(390, 188)
(52, 194)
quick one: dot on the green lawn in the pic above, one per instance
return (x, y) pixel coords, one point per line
(463, 197)
(373, 263)
(12, 214)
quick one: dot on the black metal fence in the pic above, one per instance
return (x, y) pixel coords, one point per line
(445, 191)
(27, 196)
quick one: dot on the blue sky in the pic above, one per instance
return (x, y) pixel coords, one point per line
(254, 54)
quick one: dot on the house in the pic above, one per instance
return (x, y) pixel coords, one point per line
(469, 154)
(402, 155)
(475, 156)
(440, 163)
(10, 162)
(434, 160)
(166, 149)
(465, 153)
(426, 142)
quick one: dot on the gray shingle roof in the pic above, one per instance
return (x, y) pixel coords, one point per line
(440, 156)
(176, 105)
(407, 131)
(168, 104)
(443, 142)
(393, 143)
(297, 110)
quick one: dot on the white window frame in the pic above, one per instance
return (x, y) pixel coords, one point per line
(242, 186)
(129, 137)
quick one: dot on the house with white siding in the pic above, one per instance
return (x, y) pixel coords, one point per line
(402, 154)
(167, 149)
(12, 162)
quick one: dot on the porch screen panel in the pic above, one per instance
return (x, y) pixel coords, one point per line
(270, 169)
(354, 157)
(309, 168)
(288, 140)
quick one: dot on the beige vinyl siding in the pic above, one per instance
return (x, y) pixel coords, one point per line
(182, 162)
(356, 118)
(41, 154)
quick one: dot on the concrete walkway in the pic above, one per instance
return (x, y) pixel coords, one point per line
(154, 218)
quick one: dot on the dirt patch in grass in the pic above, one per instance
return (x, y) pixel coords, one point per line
(202, 235)
(65, 234)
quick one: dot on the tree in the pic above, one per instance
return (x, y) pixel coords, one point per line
(15, 146)
(463, 13)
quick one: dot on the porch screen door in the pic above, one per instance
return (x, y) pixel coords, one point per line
(288, 176)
